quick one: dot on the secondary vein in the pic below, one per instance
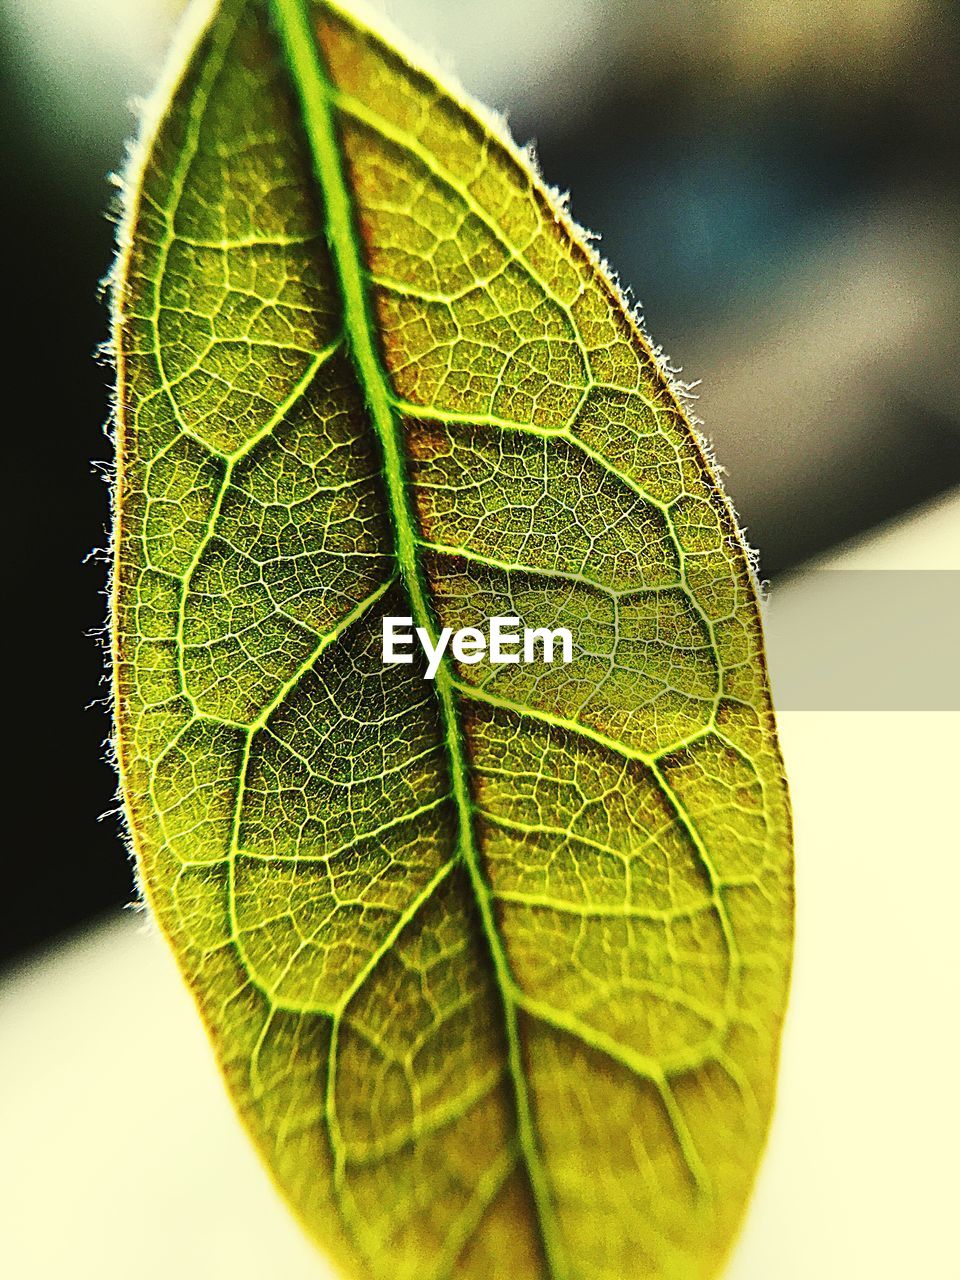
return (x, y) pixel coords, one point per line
(317, 95)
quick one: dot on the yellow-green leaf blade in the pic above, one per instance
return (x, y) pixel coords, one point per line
(496, 966)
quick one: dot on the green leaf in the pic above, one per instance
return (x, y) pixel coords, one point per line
(495, 964)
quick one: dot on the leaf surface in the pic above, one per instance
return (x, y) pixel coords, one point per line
(494, 965)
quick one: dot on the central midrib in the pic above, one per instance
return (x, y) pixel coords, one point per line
(315, 92)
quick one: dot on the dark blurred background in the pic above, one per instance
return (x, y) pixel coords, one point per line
(777, 185)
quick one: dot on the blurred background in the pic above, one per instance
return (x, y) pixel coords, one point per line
(776, 185)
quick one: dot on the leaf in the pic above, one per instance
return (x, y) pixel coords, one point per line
(494, 965)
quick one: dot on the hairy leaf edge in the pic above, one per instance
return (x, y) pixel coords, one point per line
(152, 113)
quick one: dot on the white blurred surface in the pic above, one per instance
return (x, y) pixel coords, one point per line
(120, 1156)
(860, 1179)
